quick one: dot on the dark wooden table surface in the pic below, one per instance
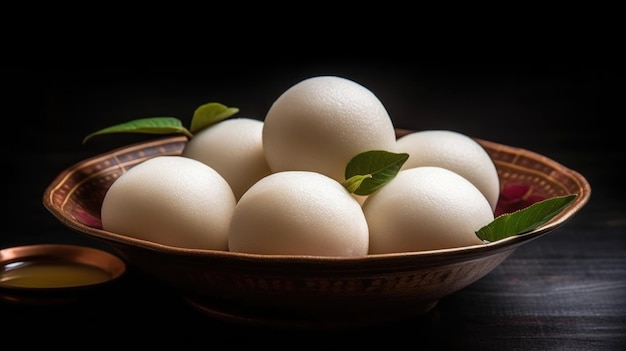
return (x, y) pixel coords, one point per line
(565, 291)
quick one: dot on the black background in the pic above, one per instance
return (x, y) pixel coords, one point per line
(564, 291)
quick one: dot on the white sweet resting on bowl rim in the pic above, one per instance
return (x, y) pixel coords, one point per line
(425, 208)
(171, 200)
(299, 213)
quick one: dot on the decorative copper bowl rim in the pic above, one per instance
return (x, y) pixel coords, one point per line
(455, 254)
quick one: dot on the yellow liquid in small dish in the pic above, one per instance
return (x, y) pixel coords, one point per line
(51, 274)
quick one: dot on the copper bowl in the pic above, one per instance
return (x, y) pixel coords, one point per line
(54, 273)
(305, 291)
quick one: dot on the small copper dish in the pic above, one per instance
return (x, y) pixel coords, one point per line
(49, 273)
(305, 291)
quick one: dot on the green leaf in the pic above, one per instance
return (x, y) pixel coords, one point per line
(209, 114)
(524, 220)
(353, 183)
(372, 169)
(150, 125)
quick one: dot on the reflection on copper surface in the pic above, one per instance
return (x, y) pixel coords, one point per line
(52, 270)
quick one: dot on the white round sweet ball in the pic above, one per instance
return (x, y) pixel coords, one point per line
(298, 213)
(454, 151)
(234, 148)
(425, 208)
(171, 200)
(321, 123)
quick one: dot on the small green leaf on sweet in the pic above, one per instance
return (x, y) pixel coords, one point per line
(524, 220)
(209, 114)
(353, 183)
(150, 125)
(376, 168)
